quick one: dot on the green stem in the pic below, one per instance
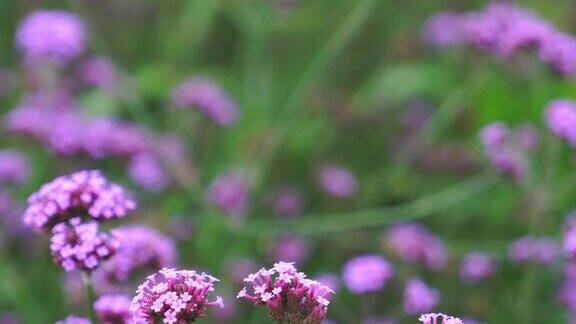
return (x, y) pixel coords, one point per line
(89, 296)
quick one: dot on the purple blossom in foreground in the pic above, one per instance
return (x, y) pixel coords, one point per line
(560, 116)
(290, 248)
(98, 72)
(113, 309)
(80, 193)
(536, 250)
(174, 296)
(72, 319)
(414, 243)
(204, 94)
(288, 295)
(366, 273)
(229, 192)
(439, 318)
(14, 167)
(288, 202)
(53, 36)
(418, 297)
(146, 170)
(444, 29)
(476, 266)
(77, 245)
(338, 182)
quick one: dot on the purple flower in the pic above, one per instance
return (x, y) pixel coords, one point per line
(80, 193)
(439, 318)
(208, 97)
(227, 313)
(418, 297)
(51, 35)
(560, 116)
(98, 72)
(113, 309)
(288, 202)
(291, 248)
(444, 29)
(476, 266)
(537, 250)
(338, 182)
(329, 279)
(174, 296)
(288, 295)
(72, 319)
(77, 245)
(559, 51)
(567, 294)
(414, 243)
(14, 167)
(146, 170)
(494, 135)
(229, 192)
(238, 269)
(366, 273)
(569, 244)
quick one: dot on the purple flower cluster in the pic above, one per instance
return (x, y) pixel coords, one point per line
(77, 245)
(204, 94)
(14, 167)
(535, 250)
(72, 319)
(508, 149)
(476, 266)
(98, 72)
(82, 193)
(560, 116)
(174, 296)
(229, 193)
(414, 243)
(439, 318)
(418, 297)
(338, 182)
(329, 279)
(291, 248)
(146, 170)
(52, 36)
(288, 202)
(113, 309)
(288, 295)
(504, 29)
(367, 273)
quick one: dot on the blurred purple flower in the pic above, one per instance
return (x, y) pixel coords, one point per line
(75, 194)
(146, 170)
(238, 269)
(476, 266)
(229, 192)
(366, 273)
(338, 182)
(204, 94)
(174, 296)
(537, 250)
(10, 318)
(559, 51)
(226, 314)
(527, 137)
(567, 294)
(288, 202)
(72, 319)
(444, 29)
(182, 227)
(329, 279)
(494, 135)
(418, 297)
(414, 243)
(289, 297)
(98, 72)
(77, 245)
(113, 309)
(560, 116)
(290, 248)
(14, 167)
(53, 36)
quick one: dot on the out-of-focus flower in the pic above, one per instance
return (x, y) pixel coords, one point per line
(560, 116)
(287, 294)
(559, 51)
(182, 227)
(98, 72)
(567, 294)
(72, 319)
(569, 241)
(439, 318)
(113, 309)
(288, 202)
(146, 170)
(291, 248)
(338, 182)
(174, 296)
(414, 243)
(77, 245)
(527, 137)
(238, 269)
(229, 192)
(444, 29)
(226, 314)
(476, 266)
(10, 318)
(80, 193)
(494, 135)
(418, 297)
(53, 36)
(366, 273)
(537, 250)
(204, 94)
(329, 279)
(14, 167)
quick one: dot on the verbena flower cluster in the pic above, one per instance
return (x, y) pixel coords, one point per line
(174, 296)
(560, 116)
(439, 318)
(287, 294)
(113, 309)
(367, 273)
(229, 193)
(504, 29)
(14, 167)
(476, 266)
(72, 319)
(419, 297)
(543, 250)
(338, 182)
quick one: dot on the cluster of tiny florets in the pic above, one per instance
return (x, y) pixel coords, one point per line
(439, 318)
(113, 309)
(287, 294)
(560, 116)
(174, 296)
(414, 243)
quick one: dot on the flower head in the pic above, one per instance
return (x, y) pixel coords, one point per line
(291, 248)
(146, 170)
(72, 319)
(287, 294)
(229, 192)
(98, 72)
(14, 167)
(366, 273)
(418, 297)
(338, 182)
(444, 29)
(174, 296)
(78, 194)
(476, 266)
(542, 250)
(439, 318)
(414, 243)
(560, 116)
(288, 202)
(113, 309)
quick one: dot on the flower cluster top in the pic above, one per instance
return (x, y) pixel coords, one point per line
(289, 296)
(439, 318)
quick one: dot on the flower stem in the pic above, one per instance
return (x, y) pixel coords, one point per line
(89, 296)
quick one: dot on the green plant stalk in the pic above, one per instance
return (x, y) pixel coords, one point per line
(87, 280)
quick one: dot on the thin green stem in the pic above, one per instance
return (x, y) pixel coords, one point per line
(86, 278)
